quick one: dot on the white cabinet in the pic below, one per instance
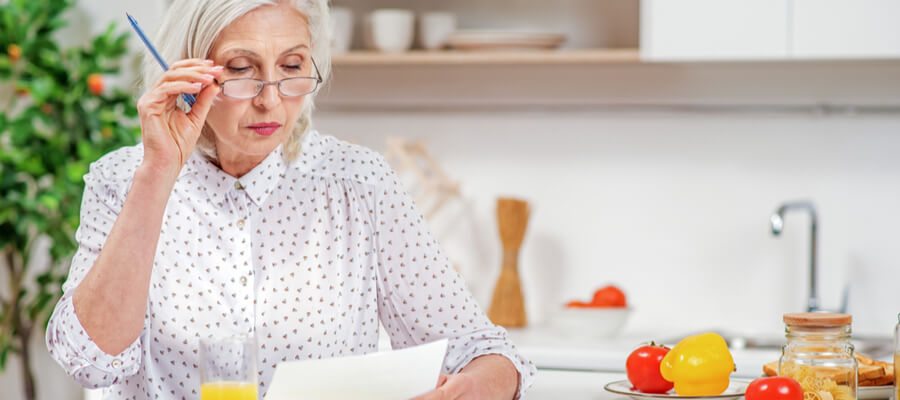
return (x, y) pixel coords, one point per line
(684, 30)
(722, 30)
(845, 29)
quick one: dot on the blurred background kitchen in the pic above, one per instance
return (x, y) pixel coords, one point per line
(652, 140)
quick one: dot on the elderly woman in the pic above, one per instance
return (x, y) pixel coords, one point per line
(236, 217)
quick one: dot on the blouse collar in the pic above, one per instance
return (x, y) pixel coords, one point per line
(263, 178)
(257, 184)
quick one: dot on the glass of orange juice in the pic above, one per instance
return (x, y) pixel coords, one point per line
(228, 368)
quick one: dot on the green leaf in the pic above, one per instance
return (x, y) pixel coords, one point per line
(43, 89)
(12, 155)
(85, 150)
(48, 57)
(75, 171)
(51, 202)
(33, 166)
(44, 279)
(57, 24)
(9, 22)
(7, 213)
(108, 116)
(4, 352)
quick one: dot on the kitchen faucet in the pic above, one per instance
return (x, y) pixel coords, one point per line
(777, 221)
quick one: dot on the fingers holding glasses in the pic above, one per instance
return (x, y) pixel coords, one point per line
(185, 71)
(169, 91)
(203, 75)
(198, 113)
(169, 134)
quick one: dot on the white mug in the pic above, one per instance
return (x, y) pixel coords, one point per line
(342, 29)
(435, 28)
(391, 30)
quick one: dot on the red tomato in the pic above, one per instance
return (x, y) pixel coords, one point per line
(609, 296)
(774, 388)
(642, 367)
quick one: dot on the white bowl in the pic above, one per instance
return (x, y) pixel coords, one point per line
(590, 323)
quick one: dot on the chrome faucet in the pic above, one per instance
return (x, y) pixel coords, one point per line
(777, 221)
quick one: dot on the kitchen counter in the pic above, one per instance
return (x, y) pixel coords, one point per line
(572, 385)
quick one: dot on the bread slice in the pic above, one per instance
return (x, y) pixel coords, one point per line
(870, 372)
(884, 380)
(867, 372)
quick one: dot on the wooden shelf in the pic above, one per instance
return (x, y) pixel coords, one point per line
(452, 57)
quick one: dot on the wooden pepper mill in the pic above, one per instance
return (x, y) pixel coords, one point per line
(508, 306)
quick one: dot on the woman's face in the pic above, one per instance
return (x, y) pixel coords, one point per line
(269, 43)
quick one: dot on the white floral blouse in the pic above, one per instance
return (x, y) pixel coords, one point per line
(307, 256)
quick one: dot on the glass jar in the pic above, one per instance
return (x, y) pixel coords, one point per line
(818, 354)
(896, 358)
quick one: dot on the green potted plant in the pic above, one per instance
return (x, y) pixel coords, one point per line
(57, 118)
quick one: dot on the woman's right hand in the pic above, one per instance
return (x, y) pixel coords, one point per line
(169, 134)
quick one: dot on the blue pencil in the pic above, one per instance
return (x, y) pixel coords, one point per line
(188, 98)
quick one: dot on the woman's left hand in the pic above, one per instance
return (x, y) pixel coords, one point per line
(487, 377)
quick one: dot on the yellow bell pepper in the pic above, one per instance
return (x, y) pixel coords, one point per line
(698, 365)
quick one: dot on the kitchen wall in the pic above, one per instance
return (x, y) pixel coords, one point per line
(671, 204)
(672, 208)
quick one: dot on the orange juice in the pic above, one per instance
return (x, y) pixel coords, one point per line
(228, 391)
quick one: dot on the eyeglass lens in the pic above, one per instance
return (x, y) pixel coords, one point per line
(290, 87)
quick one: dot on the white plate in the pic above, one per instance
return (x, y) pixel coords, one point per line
(735, 389)
(504, 40)
(875, 392)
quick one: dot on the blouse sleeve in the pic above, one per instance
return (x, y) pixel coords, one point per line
(422, 298)
(67, 340)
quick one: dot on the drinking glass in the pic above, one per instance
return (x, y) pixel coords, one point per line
(228, 368)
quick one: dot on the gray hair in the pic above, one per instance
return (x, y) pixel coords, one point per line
(190, 27)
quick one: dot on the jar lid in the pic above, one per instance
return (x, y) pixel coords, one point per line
(817, 319)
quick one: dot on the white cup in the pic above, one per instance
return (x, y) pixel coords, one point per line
(391, 30)
(342, 29)
(435, 28)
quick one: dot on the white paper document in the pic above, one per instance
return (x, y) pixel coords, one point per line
(392, 375)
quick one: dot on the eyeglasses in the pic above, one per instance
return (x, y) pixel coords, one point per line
(248, 88)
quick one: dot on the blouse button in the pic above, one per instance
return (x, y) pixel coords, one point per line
(117, 363)
(238, 186)
(240, 224)
(244, 280)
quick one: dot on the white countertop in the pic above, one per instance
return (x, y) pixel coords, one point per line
(572, 385)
